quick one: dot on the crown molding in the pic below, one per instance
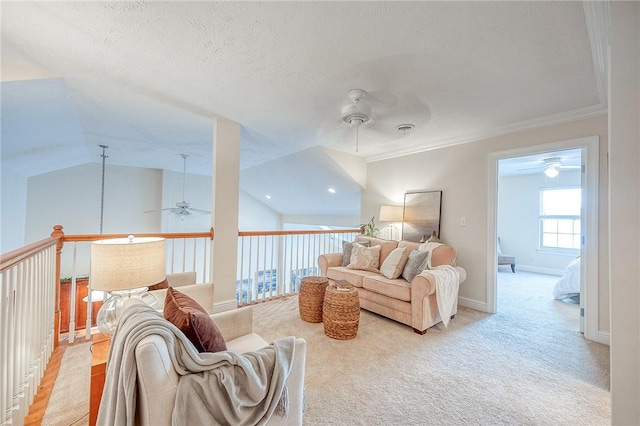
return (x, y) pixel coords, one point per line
(540, 122)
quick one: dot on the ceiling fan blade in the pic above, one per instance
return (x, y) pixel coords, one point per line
(159, 210)
(199, 210)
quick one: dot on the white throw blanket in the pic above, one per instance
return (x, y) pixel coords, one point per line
(229, 388)
(447, 284)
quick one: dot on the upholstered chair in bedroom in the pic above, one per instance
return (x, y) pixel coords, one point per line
(505, 259)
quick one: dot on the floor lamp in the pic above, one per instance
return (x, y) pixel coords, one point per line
(391, 214)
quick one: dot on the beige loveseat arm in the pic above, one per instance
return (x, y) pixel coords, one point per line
(326, 261)
(424, 309)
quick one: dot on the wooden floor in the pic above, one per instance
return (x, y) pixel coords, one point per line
(41, 399)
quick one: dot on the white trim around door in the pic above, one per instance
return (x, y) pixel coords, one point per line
(589, 219)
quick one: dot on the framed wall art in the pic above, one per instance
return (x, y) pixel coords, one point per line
(421, 215)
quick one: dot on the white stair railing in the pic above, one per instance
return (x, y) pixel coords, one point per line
(27, 311)
(272, 263)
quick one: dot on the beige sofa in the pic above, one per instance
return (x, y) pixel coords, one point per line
(414, 303)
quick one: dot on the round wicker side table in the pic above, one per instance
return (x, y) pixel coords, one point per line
(341, 313)
(311, 298)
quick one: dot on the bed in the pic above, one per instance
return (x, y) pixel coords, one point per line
(568, 286)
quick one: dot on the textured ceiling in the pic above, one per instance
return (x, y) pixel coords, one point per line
(145, 78)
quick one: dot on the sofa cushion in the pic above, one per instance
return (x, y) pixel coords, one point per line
(354, 276)
(416, 263)
(346, 250)
(364, 258)
(393, 265)
(191, 318)
(386, 246)
(398, 289)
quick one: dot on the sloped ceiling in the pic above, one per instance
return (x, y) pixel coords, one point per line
(146, 78)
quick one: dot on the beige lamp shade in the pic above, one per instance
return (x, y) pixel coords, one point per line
(127, 263)
(391, 213)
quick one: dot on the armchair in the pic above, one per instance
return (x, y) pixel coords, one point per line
(157, 380)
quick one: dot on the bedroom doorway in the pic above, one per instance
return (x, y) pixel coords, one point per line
(533, 239)
(539, 230)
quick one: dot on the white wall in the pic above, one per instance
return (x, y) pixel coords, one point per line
(71, 198)
(461, 172)
(13, 207)
(257, 216)
(518, 220)
(624, 157)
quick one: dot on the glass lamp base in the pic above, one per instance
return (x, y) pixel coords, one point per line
(112, 308)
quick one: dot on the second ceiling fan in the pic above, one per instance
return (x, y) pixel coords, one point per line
(183, 209)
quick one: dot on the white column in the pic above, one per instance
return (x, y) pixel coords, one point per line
(624, 210)
(225, 186)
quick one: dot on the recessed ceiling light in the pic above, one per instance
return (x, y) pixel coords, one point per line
(331, 190)
(268, 197)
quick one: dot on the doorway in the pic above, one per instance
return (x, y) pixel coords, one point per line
(588, 239)
(539, 229)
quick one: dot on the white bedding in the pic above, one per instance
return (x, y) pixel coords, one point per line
(569, 285)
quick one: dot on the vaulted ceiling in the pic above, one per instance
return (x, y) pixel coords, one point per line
(146, 78)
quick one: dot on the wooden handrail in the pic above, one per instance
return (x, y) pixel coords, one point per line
(9, 259)
(267, 233)
(167, 235)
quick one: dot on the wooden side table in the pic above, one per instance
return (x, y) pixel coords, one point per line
(99, 354)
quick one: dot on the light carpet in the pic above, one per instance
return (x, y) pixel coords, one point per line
(69, 401)
(526, 365)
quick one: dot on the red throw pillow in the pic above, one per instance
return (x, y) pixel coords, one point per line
(160, 285)
(191, 318)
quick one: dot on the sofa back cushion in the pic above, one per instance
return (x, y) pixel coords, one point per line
(410, 245)
(386, 246)
(181, 278)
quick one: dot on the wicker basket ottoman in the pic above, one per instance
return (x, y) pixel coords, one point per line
(311, 298)
(341, 313)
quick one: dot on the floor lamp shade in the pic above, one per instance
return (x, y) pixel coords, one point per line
(125, 267)
(391, 213)
(126, 263)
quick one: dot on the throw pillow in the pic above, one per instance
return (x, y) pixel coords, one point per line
(364, 258)
(191, 318)
(346, 250)
(160, 285)
(415, 264)
(393, 265)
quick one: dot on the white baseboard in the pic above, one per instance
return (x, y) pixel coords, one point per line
(539, 270)
(473, 304)
(604, 338)
(225, 305)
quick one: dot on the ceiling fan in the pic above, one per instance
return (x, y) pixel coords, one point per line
(382, 115)
(551, 166)
(183, 209)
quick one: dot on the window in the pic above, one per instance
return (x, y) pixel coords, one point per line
(560, 218)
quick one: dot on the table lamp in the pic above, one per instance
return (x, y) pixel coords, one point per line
(391, 214)
(125, 267)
